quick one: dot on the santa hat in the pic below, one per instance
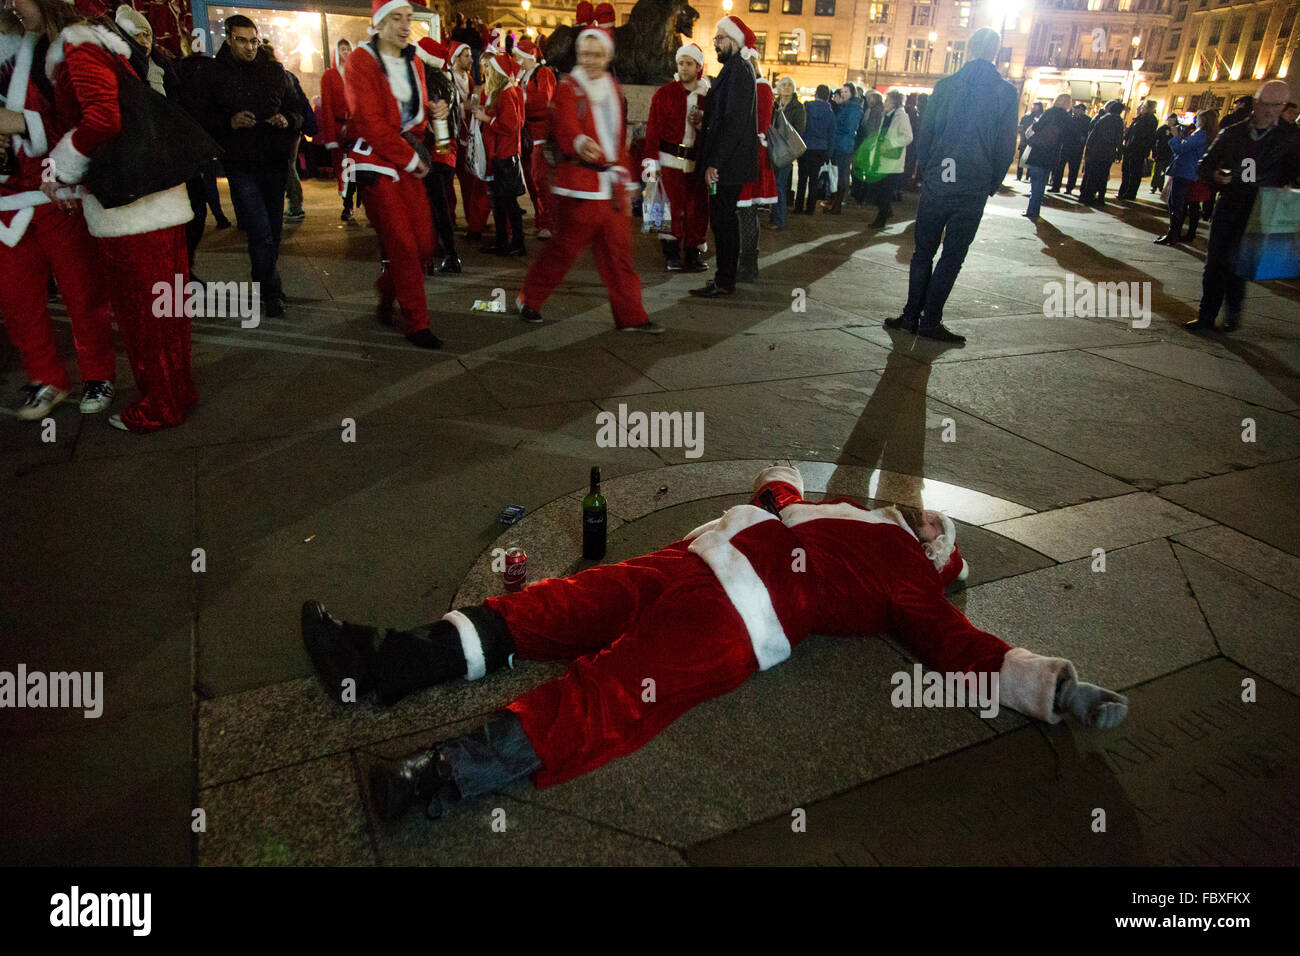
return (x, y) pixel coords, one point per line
(691, 50)
(453, 50)
(735, 28)
(603, 16)
(382, 8)
(600, 25)
(584, 15)
(132, 21)
(505, 64)
(431, 52)
(496, 41)
(525, 49)
(942, 551)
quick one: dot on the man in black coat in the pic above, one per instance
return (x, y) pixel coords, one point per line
(1161, 154)
(1260, 152)
(251, 108)
(1138, 142)
(1073, 135)
(1105, 137)
(966, 143)
(730, 153)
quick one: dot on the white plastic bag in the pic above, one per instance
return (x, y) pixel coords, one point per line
(656, 214)
(477, 159)
(828, 181)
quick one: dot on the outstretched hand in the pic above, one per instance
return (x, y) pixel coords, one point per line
(1089, 704)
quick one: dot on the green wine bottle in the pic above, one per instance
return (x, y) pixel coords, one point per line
(593, 520)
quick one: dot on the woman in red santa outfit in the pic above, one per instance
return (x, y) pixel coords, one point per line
(386, 106)
(593, 184)
(334, 123)
(140, 245)
(671, 135)
(763, 191)
(538, 85)
(699, 617)
(39, 237)
(500, 114)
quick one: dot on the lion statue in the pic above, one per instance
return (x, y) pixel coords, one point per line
(645, 47)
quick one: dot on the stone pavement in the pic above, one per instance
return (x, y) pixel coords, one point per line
(1047, 438)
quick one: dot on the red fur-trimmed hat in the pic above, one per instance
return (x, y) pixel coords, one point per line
(382, 8)
(505, 64)
(431, 52)
(525, 49)
(735, 28)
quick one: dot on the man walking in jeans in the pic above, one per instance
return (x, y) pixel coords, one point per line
(967, 141)
(252, 110)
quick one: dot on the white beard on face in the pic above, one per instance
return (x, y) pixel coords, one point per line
(939, 551)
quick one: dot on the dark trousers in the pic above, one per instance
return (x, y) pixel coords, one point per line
(726, 233)
(1071, 156)
(1095, 176)
(258, 197)
(214, 196)
(436, 185)
(882, 194)
(1131, 175)
(954, 222)
(1180, 209)
(1220, 282)
(198, 195)
(810, 165)
(1158, 171)
(509, 221)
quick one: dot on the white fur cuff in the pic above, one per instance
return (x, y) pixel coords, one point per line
(37, 145)
(1027, 683)
(160, 210)
(70, 164)
(784, 473)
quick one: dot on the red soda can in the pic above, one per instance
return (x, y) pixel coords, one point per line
(516, 570)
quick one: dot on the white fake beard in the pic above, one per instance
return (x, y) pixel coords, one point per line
(940, 550)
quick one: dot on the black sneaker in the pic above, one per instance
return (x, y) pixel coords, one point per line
(901, 324)
(647, 328)
(96, 396)
(424, 338)
(531, 316)
(275, 308)
(940, 333)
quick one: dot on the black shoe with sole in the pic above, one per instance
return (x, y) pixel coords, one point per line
(339, 651)
(1166, 240)
(425, 339)
(450, 264)
(711, 291)
(901, 324)
(940, 333)
(275, 308)
(531, 316)
(1198, 325)
(396, 785)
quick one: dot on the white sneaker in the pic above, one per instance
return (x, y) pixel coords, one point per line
(40, 399)
(96, 396)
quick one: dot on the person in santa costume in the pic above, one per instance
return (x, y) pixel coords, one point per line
(500, 115)
(538, 85)
(671, 141)
(473, 191)
(698, 617)
(762, 191)
(386, 96)
(334, 123)
(138, 245)
(593, 187)
(442, 153)
(40, 237)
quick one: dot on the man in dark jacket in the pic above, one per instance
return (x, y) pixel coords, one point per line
(1105, 136)
(818, 132)
(1138, 142)
(967, 141)
(1073, 135)
(251, 109)
(730, 156)
(1161, 154)
(1243, 157)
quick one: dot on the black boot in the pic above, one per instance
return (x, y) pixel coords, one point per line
(672, 254)
(412, 660)
(693, 261)
(747, 269)
(450, 264)
(339, 651)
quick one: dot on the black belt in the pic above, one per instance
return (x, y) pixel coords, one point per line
(678, 150)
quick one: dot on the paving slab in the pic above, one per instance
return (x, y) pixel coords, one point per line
(1194, 777)
(1196, 368)
(1010, 335)
(1243, 553)
(1073, 532)
(1260, 502)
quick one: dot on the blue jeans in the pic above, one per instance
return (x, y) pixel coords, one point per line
(954, 221)
(258, 197)
(1037, 184)
(782, 190)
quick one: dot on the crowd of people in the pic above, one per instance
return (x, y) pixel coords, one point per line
(423, 133)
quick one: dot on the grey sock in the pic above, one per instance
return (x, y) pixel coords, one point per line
(1089, 704)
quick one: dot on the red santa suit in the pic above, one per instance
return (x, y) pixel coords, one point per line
(395, 201)
(334, 119)
(702, 615)
(592, 206)
(763, 191)
(473, 191)
(36, 238)
(672, 141)
(139, 245)
(538, 85)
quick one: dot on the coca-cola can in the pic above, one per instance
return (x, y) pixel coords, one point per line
(516, 570)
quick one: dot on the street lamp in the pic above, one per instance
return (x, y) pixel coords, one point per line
(726, 6)
(880, 49)
(1009, 8)
(929, 50)
(1132, 83)
(527, 5)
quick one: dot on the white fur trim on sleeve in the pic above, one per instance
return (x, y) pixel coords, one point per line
(70, 164)
(1027, 683)
(37, 145)
(784, 473)
(471, 645)
(415, 161)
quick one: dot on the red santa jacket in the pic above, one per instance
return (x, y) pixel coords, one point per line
(539, 90)
(374, 116)
(83, 63)
(20, 192)
(333, 109)
(504, 127)
(670, 140)
(573, 120)
(761, 192)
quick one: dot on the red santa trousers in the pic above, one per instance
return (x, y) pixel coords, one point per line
(157, 348)
(537, 177)
(688, 198)
(56, 242)
(474, 197)
(596, 223)
(662, 617)
(399, 211)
